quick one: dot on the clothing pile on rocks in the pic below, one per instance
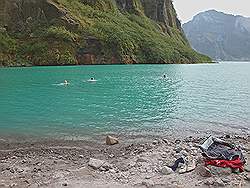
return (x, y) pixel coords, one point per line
(222, 154)
(219, 153)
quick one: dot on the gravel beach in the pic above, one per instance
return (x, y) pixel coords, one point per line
(134, 162)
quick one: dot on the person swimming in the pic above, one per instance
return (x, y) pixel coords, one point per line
(66, 82)
(164, 76)
(92, 79)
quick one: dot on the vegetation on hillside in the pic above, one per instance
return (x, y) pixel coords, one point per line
(125, 34)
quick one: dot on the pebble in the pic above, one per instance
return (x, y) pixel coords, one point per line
(102, 169)
(81, 156)
(111, 156)
(247, 177)
(218, 182)
(148, 183)
(184, 153)
(178, 149)
(155, 142)
(227, 136)
(112, 171)
(13, 185)
(132, 173)
(247, 168)
(19, 170)
(177, 141)
(107, 166)
(209, 181)
(65, 184)
(142, 159)
(165, 141)
(37, 170)
(95, 163)
(226, 180)
(203, 171)
(164, 155)
(166, 170)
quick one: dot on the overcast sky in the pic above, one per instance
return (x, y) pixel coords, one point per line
(186, 9)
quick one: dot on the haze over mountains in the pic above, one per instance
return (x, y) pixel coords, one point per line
(220, 36)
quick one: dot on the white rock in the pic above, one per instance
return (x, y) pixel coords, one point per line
(247, 168)
(95, 163)
(166, 170)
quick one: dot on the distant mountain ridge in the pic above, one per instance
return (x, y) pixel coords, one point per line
(220, 36)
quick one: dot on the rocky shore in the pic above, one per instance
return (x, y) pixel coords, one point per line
(129, 163)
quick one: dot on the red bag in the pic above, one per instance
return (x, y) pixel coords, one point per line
(234, 164)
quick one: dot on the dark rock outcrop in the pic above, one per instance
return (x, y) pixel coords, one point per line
(17, 15)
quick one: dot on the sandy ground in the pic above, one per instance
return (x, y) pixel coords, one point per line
(134, 162)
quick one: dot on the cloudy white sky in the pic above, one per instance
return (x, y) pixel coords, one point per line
(186, 9)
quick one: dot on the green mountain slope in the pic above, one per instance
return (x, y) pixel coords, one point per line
(63, 32)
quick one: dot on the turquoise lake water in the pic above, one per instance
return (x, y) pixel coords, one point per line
(125, 99)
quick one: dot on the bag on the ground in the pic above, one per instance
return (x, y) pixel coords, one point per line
(222, 154)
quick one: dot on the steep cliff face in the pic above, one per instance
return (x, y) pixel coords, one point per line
(58, 32)
(20, 14)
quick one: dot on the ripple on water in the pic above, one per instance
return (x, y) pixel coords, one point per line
(125, 98)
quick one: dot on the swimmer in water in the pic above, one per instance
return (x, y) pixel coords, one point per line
(92, 79)
(66, 82)
(164, 76)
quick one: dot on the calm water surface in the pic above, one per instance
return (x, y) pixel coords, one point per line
(125, 98)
